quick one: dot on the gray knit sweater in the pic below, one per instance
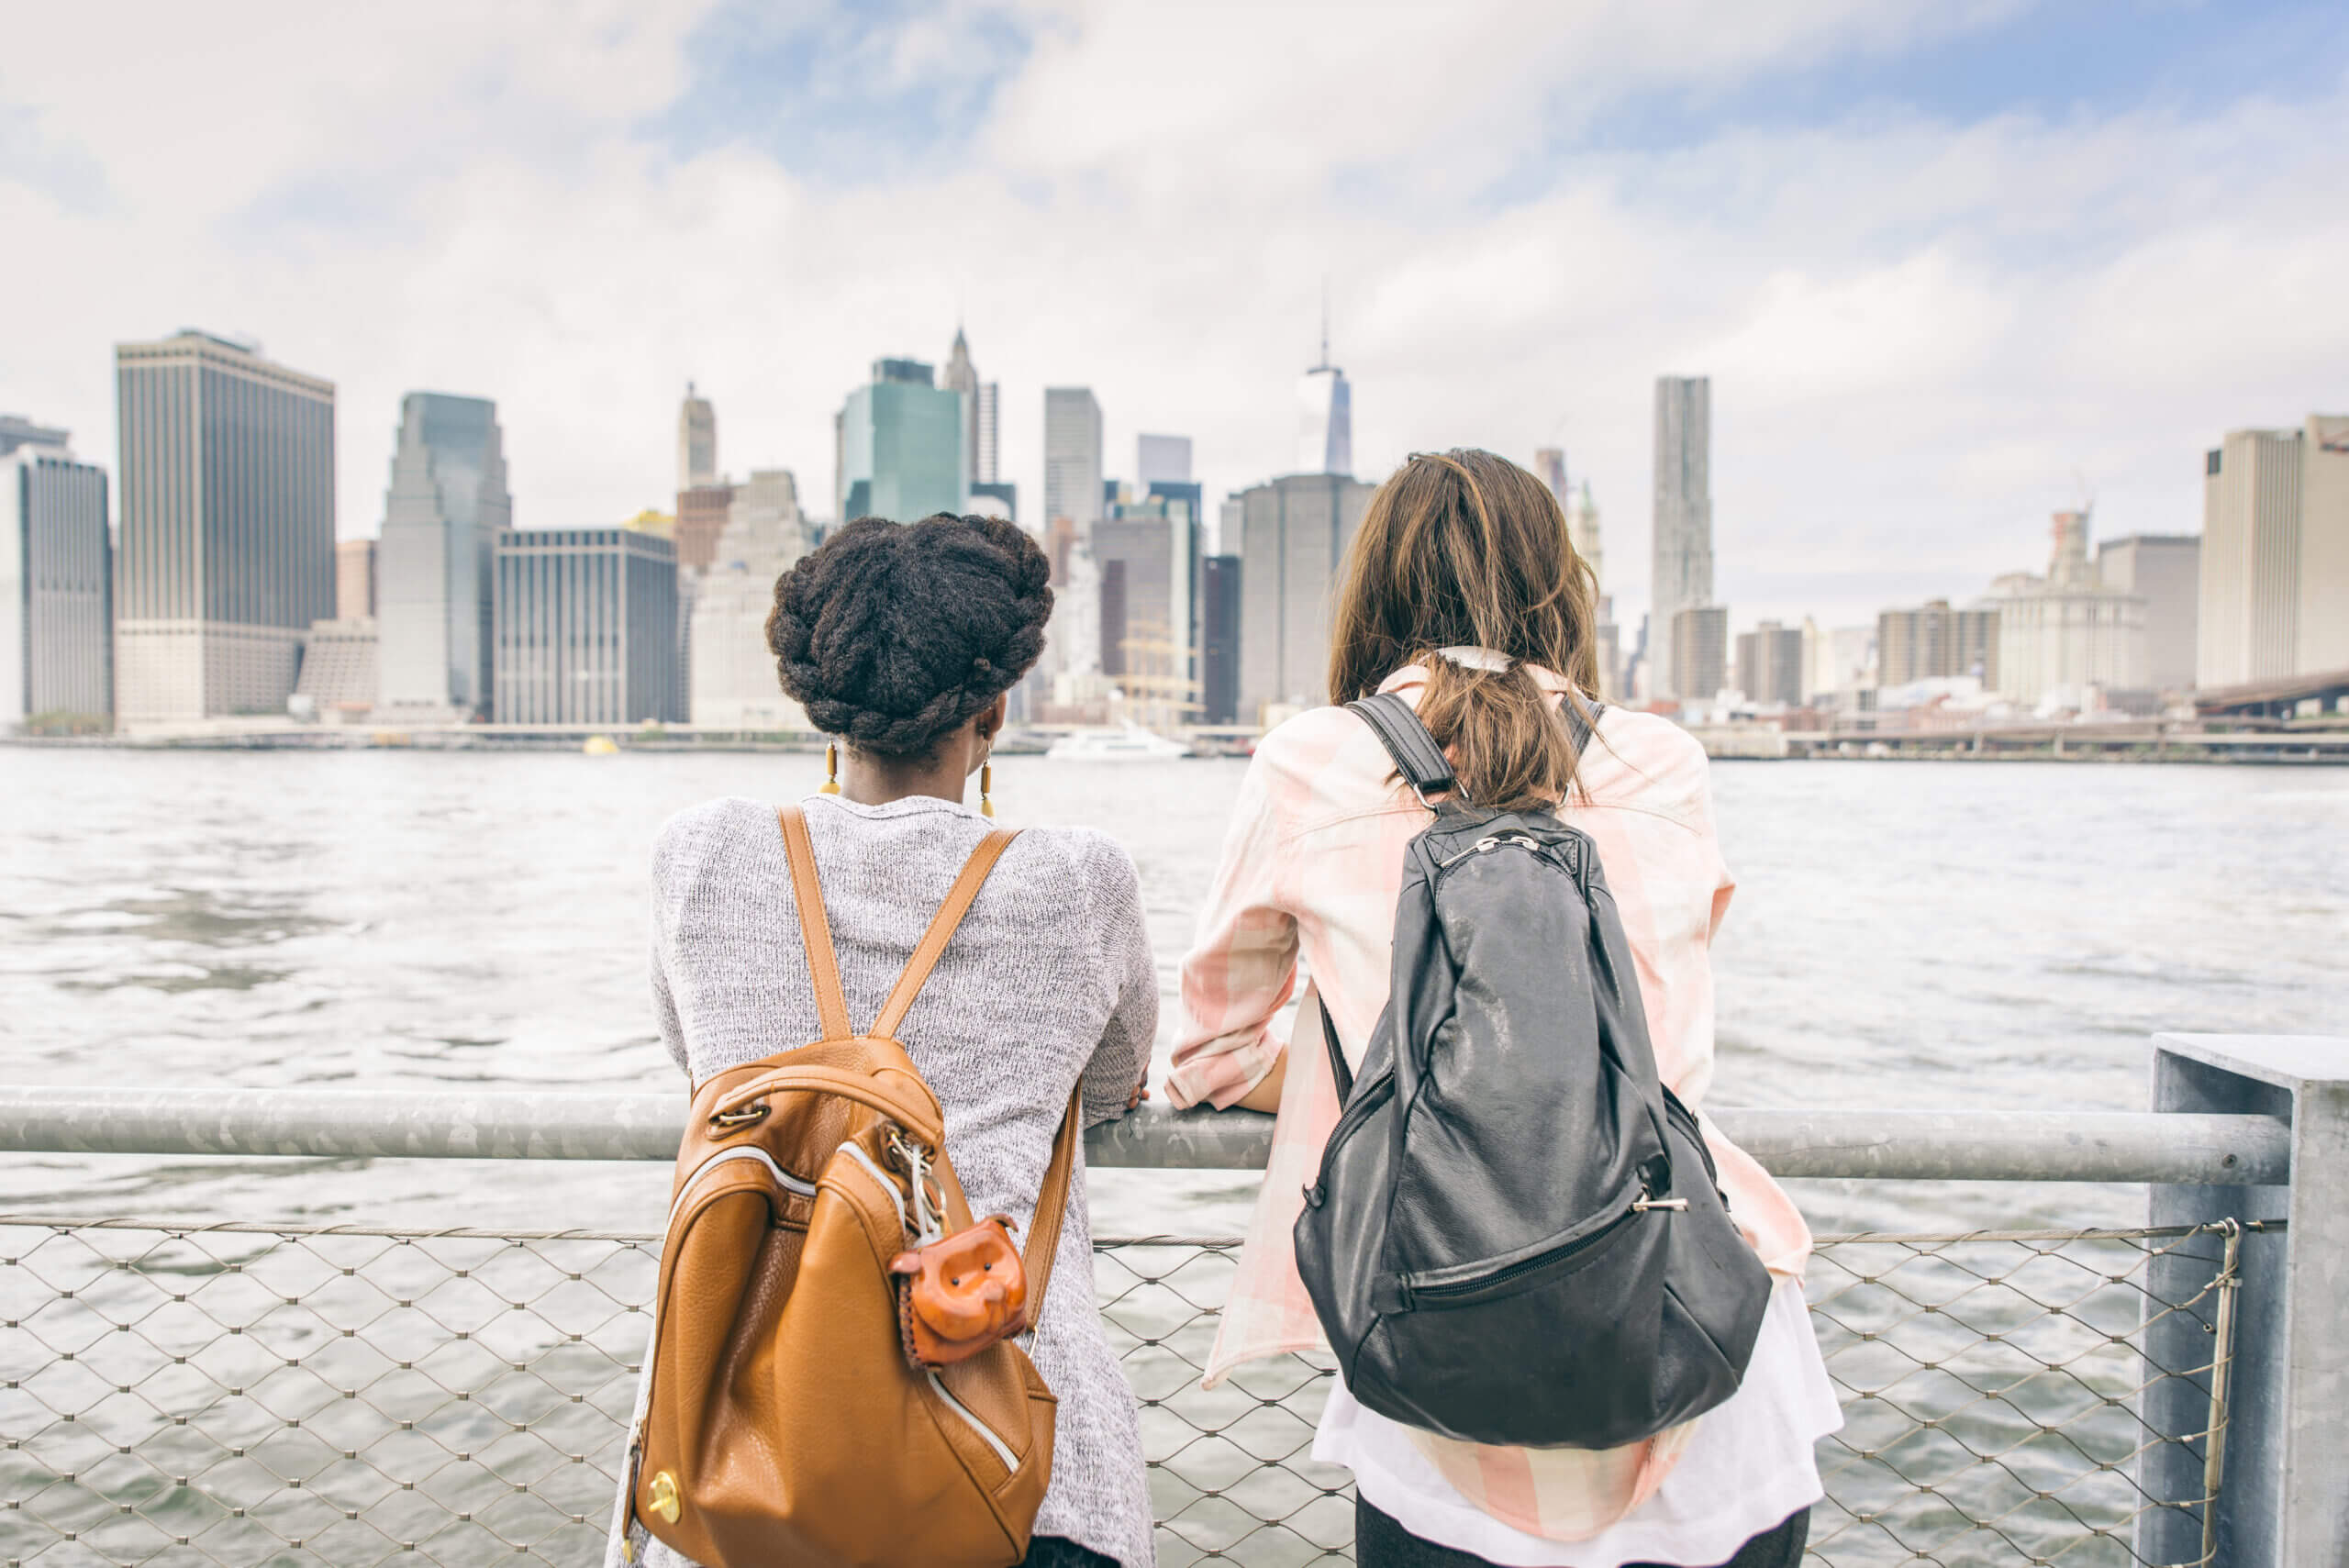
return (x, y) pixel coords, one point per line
(1048, 979)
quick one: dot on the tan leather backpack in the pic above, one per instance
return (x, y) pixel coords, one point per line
(785, 1424)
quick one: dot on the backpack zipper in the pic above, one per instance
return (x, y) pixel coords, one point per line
(880, 1179)
(784, 1178)
(790, 1183)
(1367, 1098)
(1485, 846)
(987, 1434)
(1002, 1449)
(1412, 1295)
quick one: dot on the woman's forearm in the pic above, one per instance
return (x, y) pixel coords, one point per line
(1267, 1093)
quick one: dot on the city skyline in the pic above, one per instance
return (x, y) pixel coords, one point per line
(1930, 276)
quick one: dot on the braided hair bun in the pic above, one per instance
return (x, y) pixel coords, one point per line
(892, 635)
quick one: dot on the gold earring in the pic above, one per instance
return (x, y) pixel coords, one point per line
(831, 768)
(986, 782)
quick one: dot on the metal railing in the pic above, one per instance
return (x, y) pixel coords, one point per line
(2068, 1146)
(264, 1394)
(244, 1394)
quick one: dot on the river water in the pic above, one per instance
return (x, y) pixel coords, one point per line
(1904, 935)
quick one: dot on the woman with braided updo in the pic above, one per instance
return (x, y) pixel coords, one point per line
(901, 640)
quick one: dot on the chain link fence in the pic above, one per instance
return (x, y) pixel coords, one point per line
(243, 1396)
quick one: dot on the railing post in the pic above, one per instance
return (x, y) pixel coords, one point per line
(2286, 1499)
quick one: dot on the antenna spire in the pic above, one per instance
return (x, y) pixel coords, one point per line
(1325, 323)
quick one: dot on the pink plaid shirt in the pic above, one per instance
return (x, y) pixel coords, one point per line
(1312, 865)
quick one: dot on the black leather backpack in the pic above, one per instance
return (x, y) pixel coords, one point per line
(1516, 1237)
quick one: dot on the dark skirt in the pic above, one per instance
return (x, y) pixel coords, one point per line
(1380, 1542)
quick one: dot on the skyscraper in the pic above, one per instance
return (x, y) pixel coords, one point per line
(354, 579)
(702, 513)
(2275, 563)
(1162, 459)
(1549, 467)
(586, 626)
(2323, 612)
(1150, 636)
(1935, 643)
(1220, 612)
(962, 378)
(1072, 457)
(2248, 628)
(2165, 571)
(1582, 527)
(988, 465)
(1700, 651)
(1325, 410)
(1296, 530)
(1682, 574)
(56, 580)
(1769, 664)
(734, 682)
(900, 442)
(696, 441)
(227, 526)
(442, 515)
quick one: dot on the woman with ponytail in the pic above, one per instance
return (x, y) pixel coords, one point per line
(1462, 595)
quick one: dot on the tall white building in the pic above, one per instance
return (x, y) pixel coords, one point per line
(696, 441)
(1582, 529)
(2061, 635)
(2275, 567)
(2248, 628)
(226, 547)
(1072, 457)
(989, 462)
(443, 514)
(2323, 611)
(1681, 576)
(1325, 418)
(733, 682)
(2164, 570)
(56, 579)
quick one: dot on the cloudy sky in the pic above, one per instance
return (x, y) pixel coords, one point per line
(1949, 263)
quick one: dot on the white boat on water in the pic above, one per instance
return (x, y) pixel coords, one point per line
(1129, 743)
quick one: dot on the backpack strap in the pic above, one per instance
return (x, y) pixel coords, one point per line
(1051, 1204)
(1416, 756)
(1340, 1073)
(816, 930)
(807, 893)
(942, 930)
(1578, 729)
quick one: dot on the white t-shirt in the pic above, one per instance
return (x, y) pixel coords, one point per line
(1749, 1465)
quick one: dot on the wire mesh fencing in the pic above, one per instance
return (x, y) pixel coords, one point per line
(265, 1394)
(1994, 1389)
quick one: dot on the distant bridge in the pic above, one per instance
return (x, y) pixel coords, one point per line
(2273, 699)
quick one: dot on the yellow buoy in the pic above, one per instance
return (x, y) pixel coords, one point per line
(600, 746)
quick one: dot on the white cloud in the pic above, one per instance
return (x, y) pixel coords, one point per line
(1918, 331)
